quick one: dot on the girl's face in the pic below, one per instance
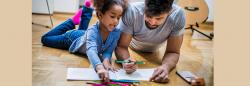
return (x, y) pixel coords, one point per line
(111, 17)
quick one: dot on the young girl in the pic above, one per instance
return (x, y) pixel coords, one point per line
(98, 41)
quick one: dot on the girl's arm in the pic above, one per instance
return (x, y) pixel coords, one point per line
(92, 53)
(91, 46)
(107, 55)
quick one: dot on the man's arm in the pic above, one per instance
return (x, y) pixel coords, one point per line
(126, 25)
(174, 42)
(169, 60)
(121, 51)
(172, 52)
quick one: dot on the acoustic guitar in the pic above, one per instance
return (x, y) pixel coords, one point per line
(196, 11)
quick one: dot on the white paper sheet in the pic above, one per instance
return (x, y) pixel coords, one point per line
(90, 74)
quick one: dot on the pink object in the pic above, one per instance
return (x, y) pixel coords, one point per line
(98, 85)
(77, 17)
(121, 84)
(87, 3)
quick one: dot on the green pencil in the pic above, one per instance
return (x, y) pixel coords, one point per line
(127, 61)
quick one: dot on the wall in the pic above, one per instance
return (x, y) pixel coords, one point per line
(210, 4)
(40, 6)
(67, 6)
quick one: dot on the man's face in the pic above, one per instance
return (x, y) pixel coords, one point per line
(153, 22)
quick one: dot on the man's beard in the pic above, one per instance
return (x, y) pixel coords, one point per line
(151, 28)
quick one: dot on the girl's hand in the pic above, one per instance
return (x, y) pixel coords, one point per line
(102, 73)
(108, 66)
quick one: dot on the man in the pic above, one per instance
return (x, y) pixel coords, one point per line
(145, 27)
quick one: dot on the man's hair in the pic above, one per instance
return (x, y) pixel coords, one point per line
(157, 7)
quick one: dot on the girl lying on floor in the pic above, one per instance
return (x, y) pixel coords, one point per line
(97, 41)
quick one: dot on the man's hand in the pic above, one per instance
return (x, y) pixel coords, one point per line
(103, 73)
(169, 60)
(108, 66)
(160, 74)
(130, 67)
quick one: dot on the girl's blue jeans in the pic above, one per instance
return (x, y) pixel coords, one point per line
(64, 34)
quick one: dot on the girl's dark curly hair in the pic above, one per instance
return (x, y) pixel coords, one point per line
(104, 5)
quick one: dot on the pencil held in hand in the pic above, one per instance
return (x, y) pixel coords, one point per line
(129, 61)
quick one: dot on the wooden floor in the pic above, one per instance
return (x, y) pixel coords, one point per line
(49, 65)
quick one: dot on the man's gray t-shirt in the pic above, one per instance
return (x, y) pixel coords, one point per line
(147, 40)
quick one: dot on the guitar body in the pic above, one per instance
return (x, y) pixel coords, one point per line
(196, 11)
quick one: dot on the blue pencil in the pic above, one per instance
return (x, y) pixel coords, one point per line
(125, 81)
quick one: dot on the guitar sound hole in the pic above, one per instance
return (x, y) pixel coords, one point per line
(192, 8)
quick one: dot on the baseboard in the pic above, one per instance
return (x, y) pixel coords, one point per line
(209, 23)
